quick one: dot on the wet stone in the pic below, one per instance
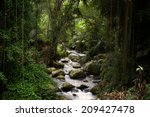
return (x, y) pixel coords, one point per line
(74, 94)
(82, 87)
(64, 60)
(67, 87)
(76, 65)
(61, 77)
(50, 70)
(57, 73)
(77, 74)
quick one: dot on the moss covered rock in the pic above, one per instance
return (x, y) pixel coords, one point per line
(50, 70)
(67, 87)
(77, 74)
(58, 64)
(92, 67)
(57, 73)
(82, 87)
(61, 77)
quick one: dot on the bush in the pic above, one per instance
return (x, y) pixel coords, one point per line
(147, 97)
(34, 82)
(2, 77)
(61, 51)
(131, 93)
(110, 72)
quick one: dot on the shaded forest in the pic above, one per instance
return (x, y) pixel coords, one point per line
(74, 49)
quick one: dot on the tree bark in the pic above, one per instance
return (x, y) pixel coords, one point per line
(128, 48)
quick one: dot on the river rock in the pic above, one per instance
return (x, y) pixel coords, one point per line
(57, 73)
(64, 60)
(74, 94)
(77, 74)
(74, 57)
(82, 87)
(92, 67)
(58, 64)
(76, 65)
(50, 70)
(61, 77)
(67, 87)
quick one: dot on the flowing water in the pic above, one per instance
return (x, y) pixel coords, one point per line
(76, 93)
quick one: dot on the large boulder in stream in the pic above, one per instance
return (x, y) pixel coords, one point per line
(57, 73)
(77, 74)
(92, 67)
(67, 87)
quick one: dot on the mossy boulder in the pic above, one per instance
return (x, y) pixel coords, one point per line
(61, 77)
(77, 74)
(67, 87)
(58, 64)
(50, 70)
(82, 87)
(58, 72)
(92, 67)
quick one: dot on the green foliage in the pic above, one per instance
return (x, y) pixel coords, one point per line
(31, 85)
(14, 51)
(22, 76)
(131, 93)
(2, 77)
(147, 97)
(61, 50)
(4, 35)
(90, 29)
(20, 90)
(110, 72)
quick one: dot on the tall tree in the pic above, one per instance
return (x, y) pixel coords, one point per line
(60, 15)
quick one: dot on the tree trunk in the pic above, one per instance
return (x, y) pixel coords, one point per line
(127, 48)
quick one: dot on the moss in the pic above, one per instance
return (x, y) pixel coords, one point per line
(95, 90)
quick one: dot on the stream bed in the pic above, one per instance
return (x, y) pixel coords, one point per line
(82, 86)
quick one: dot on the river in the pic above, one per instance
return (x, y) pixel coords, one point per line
(76, 93)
